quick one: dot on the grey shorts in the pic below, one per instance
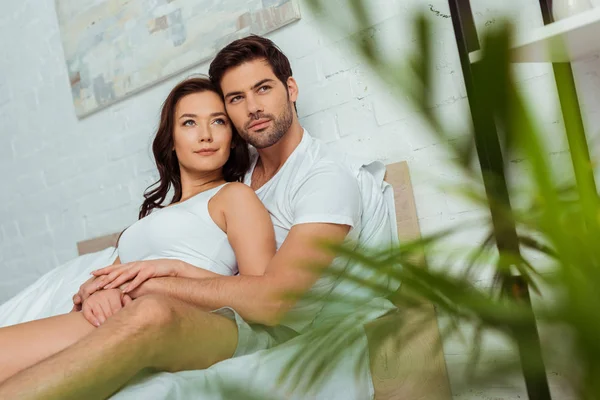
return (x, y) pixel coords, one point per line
(255, 337)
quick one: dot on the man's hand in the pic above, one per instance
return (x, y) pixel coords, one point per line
(151, 286)
(101, 305)
(86, 290)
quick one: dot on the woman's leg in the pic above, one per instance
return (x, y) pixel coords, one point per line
(26, 344)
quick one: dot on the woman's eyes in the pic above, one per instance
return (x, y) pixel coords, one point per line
(218, 121)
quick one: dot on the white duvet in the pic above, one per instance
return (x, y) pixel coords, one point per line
(256, 373)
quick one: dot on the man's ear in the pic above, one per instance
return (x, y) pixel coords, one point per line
(292, 87)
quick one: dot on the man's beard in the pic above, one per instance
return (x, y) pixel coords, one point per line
(271, 135)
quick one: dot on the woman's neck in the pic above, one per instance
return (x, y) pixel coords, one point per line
(194, 183)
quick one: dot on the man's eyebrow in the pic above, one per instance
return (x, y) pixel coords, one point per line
(260, 83)
(256, 85)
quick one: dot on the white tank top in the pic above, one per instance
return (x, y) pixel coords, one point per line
(184, 231)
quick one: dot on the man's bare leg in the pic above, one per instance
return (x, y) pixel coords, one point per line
(23, 345)
(153, 332)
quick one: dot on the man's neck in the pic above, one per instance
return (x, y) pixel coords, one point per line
(271, 159)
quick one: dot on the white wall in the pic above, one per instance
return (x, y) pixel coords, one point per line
(65, 180)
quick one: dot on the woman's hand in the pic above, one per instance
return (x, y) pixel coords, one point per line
(86, 289)
(103, 304)
(138, 272)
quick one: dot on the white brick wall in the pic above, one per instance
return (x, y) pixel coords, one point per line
(65, 180)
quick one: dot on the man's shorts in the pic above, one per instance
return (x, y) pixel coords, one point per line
(255, 337)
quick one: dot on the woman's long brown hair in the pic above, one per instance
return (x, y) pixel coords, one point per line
(166, 159)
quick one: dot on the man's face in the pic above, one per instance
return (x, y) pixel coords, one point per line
(258, 103)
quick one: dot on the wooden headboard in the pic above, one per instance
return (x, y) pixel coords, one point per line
(97, 244)
(399, 371)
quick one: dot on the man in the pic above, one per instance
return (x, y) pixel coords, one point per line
(312, 195)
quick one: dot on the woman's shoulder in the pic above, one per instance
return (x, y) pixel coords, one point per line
(237, 192)
(237, 188)
(236, 198)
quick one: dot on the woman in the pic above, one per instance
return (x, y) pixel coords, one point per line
(212, 225)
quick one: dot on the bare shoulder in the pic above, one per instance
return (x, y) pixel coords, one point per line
(240, 203)
(237, 192)
(237, 189)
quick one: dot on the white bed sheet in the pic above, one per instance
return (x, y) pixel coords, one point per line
(256, 373)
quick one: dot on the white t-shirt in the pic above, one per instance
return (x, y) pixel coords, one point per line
(183, 231)
(318, 185)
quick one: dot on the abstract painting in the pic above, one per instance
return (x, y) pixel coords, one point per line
(114, 48)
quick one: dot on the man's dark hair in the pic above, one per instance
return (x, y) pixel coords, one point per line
(247, 49)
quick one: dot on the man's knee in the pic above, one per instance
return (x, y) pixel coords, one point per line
(189, 338)
(152, 311)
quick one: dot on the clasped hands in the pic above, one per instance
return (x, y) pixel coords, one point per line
(113, 287)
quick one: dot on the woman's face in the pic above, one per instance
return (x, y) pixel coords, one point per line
(202, 134)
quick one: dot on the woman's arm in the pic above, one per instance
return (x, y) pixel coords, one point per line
(249, 229)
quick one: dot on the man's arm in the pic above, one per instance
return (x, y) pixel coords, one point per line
(262, 299)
